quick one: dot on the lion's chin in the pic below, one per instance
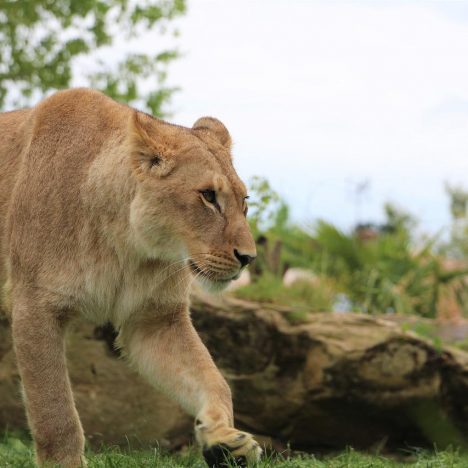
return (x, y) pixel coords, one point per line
(212, 286)
(208, 283)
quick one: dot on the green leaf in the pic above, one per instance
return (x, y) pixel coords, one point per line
(41, 41)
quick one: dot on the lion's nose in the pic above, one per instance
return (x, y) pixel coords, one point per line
(244, 259)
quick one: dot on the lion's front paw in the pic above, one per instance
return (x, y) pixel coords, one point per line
(223, 446)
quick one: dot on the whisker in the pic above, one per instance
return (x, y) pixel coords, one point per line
(219, 262)
(193, 280)
(214, 271)
(178, 262)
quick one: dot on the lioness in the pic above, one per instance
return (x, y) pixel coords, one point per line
(108, 213)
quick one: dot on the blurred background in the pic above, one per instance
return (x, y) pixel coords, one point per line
(349, 121)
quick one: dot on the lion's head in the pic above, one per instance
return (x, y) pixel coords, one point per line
(190, 205)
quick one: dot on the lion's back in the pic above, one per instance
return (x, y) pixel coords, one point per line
(67, 127)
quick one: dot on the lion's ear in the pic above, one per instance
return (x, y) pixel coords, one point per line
(149, 153)
(216, 128)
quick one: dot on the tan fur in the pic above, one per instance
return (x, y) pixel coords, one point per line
(101, 216)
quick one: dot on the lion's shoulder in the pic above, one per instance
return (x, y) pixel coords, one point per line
(80, 106)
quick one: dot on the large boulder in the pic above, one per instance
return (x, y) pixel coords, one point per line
(317, 381)
(335, 379)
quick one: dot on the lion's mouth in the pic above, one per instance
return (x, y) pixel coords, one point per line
(201, 272)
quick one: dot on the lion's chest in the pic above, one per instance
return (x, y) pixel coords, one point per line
(113, 294)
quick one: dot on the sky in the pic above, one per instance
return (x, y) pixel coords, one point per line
(341, 105)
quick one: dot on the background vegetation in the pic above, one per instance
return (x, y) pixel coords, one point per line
(374, 268)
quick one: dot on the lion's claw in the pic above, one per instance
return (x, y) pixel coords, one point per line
(230, 448)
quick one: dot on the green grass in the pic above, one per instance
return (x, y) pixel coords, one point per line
(15, 453)
(463, 344)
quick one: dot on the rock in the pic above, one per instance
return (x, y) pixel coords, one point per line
(300, 275)
(336, 380)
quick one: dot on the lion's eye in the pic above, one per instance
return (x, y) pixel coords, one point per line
(209, 196)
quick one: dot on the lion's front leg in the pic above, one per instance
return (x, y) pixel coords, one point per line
(167, 350)
(38, 328)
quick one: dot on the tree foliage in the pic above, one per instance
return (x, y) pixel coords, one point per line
(41, 42)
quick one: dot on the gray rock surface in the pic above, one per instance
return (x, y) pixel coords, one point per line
(332, 381)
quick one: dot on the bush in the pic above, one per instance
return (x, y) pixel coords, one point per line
(380, 268)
